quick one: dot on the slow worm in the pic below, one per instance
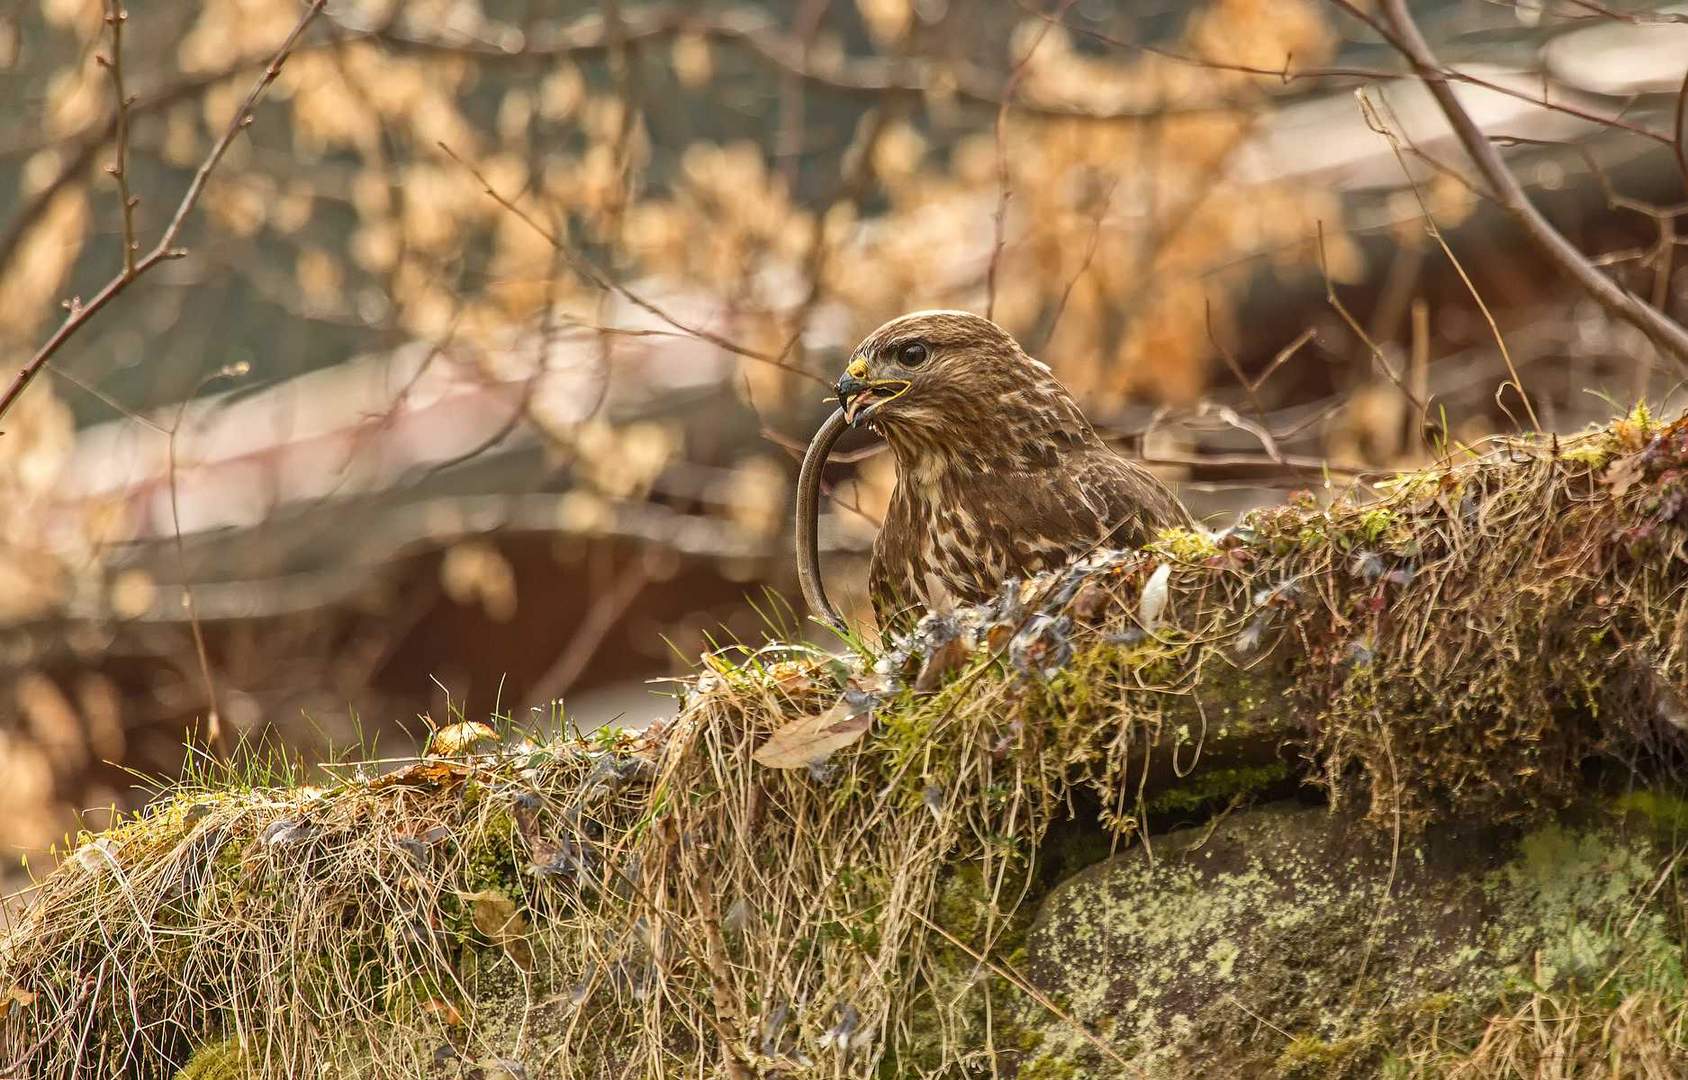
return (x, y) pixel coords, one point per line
(808, 519)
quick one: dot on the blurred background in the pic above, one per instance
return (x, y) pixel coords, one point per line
(503, 326)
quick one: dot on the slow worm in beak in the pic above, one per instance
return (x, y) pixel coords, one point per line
(808, 519)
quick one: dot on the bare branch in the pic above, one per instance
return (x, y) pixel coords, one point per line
(1664, 332)
(1376, 123)
(1347, 316)
(1289, 73)
(1102, 207)
(603, 615)
(115, 18)
(166, 248)
(587, 269)
(1676, 129)
(763, 40)
(1004, 191)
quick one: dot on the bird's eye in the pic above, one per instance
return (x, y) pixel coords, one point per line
(912, 354)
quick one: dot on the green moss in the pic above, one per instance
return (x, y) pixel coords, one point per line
(225, 1060)
(492, 856)
(1185, 545)
(1204, 789)
(1310, 1058)
(1594, 452)
(1051, 1067)
(1576, 915)
(1667, 813)
(1375, 523)
(1277, 912)
(1449, 686)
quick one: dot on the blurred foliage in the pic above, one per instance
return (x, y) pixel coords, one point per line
(713, 154)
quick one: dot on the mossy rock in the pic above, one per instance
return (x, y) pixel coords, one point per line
(1284, 941)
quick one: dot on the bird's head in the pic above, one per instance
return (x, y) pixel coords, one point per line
(937, 378)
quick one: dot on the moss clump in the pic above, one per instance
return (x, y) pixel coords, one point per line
(1207, 788)
(1665, 812)
(222, 1060)
(1185, 545)
(1047, 1067)
(1570, 916)
(1308, 1057)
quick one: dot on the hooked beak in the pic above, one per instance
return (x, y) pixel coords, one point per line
(861, 396)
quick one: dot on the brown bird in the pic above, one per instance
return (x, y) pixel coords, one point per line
(998, 472)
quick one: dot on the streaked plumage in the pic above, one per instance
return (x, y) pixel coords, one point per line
(998, 472)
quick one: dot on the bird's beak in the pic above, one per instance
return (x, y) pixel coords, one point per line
(860, 396)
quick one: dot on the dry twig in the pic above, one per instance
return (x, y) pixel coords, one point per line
(1402, 32)
(165, 249)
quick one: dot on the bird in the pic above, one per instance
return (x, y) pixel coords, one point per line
(998, 473)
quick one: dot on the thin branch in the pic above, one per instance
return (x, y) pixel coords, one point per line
(765, 41)
(1281, 358)
(1670, 337)
(1001, 157)
(1677, 133)
(1004, 191)
(853, 187)
(215, 732)
(166, 248)
(115, 18)
(606, 611)
(589, 270)
(1102, 208)
(1375, 122)
(788, 143)
(1347, 316)
(1237, 370)
(1288, 74)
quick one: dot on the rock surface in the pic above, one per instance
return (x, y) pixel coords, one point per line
(1288, 941)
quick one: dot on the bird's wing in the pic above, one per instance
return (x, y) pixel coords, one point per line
(1135, 504)
(1092, 498)
(1017, 524)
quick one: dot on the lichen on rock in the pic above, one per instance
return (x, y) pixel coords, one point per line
(1288, 941)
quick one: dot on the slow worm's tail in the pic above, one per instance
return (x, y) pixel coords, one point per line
(808, 519)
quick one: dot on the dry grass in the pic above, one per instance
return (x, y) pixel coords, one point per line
(661, 905)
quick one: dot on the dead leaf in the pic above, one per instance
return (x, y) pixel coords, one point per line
(496, 916)
(461, 738)
(421, 774)
(18, 996)
(1623, 474)
(1091, 601)
(942, 660)
(813, 739)
(445, 1010)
